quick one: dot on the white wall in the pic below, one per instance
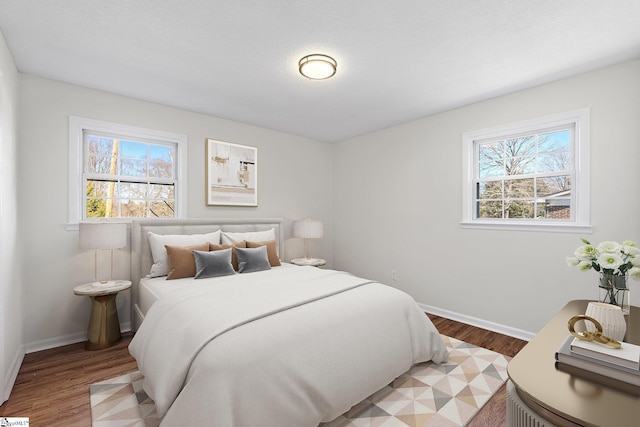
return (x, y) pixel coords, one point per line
(12, 337)
(389, 200)
(397, 205)
(294, 182)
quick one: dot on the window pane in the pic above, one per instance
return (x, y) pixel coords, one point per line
(158, 191)
(519, 165)
(160, 169)
(552, 185)
(519, 188)
(99, 154)
(518, 209)
(523, 146)
(492, 209)
(554, 142)
(554, 162)
(101, 208)
(163, 201)
(133, 209)
(131, 190)
(133, 150)
(161, 152)
(555, 196)
(97, 188)
(490, 190)
(133, 167)
(491, 169)
(162, 209)
(556, 209)
(95, 208)
(491, 152)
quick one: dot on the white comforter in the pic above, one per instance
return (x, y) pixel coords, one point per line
(284, 347)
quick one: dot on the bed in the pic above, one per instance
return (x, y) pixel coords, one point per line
(272, 346)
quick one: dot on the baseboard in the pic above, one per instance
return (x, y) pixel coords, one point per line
(470, 320)
(12, 374)
(49, 343)
(480, 323)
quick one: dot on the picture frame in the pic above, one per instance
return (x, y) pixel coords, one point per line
(231, 174)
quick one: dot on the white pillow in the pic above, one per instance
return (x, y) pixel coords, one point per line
(160, 265)
(228, 238)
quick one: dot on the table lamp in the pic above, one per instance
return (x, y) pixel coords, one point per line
(102, 236)
(307, 229)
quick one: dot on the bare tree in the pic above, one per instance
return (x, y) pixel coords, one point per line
(510, 170)
(124, 184)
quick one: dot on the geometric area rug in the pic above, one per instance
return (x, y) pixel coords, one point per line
(429, 394)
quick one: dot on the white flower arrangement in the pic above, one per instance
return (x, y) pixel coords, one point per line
(608, 258)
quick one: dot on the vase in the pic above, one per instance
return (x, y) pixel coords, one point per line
(613, 290)
(610, 318)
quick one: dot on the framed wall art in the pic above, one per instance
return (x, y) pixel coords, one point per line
(232, 174)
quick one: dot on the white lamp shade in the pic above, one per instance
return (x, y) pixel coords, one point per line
(307, 229)
(103, 235)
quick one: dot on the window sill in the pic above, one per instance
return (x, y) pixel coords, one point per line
(528, 226)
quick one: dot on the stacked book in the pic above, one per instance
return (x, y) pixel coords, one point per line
(617, 368)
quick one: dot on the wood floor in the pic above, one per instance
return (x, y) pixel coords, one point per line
(52, 387)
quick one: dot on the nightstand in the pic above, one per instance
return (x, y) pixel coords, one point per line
(313, 262)
(104, 325)
(538, 393)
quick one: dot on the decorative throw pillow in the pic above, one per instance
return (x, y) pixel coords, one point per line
(272, 251)
(252, 259)
(181, 261)
(213, 264)
(234, 258)
(157, 243)
(228, 238)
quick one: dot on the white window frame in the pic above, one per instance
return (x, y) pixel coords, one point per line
(77, 126)
(580, 222)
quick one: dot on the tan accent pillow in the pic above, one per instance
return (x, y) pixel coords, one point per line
(234, 257)
(272, 251)
(181, 260)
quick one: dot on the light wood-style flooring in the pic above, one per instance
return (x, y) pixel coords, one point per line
(52, 387)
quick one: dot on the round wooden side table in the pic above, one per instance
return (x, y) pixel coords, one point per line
(104, 325)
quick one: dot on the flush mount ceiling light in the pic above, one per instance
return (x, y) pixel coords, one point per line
(317, 66)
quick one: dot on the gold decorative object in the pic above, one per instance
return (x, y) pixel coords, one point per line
(591, 336)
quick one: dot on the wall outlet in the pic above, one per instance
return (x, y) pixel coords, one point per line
(394, 275)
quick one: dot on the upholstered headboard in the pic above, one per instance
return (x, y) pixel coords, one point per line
(141, 258)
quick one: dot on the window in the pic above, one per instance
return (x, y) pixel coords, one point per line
(119, 171)
(530, 175)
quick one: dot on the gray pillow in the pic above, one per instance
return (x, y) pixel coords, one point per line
(252, 259)
(213, 264)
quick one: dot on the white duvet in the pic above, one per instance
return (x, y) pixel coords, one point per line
(284, 347)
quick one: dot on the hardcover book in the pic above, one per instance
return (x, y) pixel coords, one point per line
(628, 355)
(596, 370)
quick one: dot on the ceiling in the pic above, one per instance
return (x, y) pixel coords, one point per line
(398, 60)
